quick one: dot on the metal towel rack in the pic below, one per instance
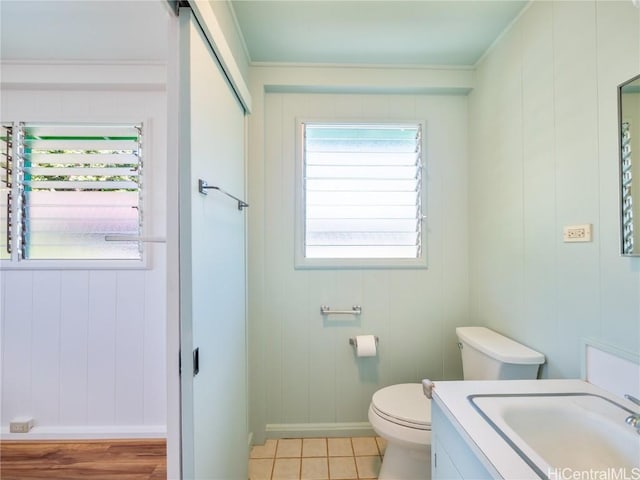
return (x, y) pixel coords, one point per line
(204, 186)
(355, 310)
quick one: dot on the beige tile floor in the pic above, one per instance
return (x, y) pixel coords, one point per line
(350, 458)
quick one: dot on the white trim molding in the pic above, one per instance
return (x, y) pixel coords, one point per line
(36, 75)
(87, 432)
(311, 430)
(212, 30)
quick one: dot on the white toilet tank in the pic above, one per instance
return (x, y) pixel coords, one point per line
(487, 355)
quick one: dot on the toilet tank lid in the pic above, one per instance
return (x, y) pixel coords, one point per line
(498, 346)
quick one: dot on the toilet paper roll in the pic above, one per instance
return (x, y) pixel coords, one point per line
(366, 346)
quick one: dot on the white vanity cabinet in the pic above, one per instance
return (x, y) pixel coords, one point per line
(451, 456)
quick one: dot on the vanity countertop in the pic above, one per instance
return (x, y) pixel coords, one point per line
(498, 457)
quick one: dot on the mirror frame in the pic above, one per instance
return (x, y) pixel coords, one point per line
(636, 251)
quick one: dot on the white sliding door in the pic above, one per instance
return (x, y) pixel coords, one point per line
(212, 266)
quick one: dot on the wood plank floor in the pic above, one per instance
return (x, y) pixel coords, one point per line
(94, 459)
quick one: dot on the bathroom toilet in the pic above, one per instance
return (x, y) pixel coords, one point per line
(401, 414)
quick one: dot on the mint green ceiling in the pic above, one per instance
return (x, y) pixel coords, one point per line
(393, 32)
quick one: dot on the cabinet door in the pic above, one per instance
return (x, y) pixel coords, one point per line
(442, 467)
(452, 456)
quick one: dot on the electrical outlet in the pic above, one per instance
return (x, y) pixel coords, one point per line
(21, 425)
(577, 233)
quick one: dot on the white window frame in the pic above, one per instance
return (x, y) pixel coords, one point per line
(143, 263)
(302, 262)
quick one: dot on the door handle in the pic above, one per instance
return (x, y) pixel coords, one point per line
(196, 361)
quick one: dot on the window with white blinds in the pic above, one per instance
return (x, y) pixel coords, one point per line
(363, 192)
(72, 189)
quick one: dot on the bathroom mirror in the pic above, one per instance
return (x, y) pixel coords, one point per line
(629, 135)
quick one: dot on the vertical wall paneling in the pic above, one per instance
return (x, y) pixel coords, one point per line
(83, 351)
(155, 336)
(272, 332)
(539, 187)
(292, 287)
(559, 67)
(74, 349)
(455, 260)
(46, 340)
(103, 305)
(618, 282)
(17, 345)
(576, 158)
(322, 348)
(3, 315)
(312, 380)
(129, 390)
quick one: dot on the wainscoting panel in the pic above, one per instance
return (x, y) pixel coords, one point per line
(84, 350)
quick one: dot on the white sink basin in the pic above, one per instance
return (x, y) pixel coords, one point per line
(551, 432)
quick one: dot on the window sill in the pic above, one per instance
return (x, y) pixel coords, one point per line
(360, 263)
(143, 264)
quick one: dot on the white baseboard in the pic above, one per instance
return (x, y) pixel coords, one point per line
(310, 430)
(99, 432)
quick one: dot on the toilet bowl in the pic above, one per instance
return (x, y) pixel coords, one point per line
(401, 414)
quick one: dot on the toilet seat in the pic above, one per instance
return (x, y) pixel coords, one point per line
(403, 404)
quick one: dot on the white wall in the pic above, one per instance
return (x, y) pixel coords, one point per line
(83, 351)
(544, 154)
(304, 378)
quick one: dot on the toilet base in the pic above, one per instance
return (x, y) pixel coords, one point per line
(402, 463)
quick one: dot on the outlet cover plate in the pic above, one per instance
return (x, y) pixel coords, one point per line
(577, 233)
(21, 425)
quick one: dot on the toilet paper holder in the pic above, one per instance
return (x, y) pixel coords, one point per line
(352, 341)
